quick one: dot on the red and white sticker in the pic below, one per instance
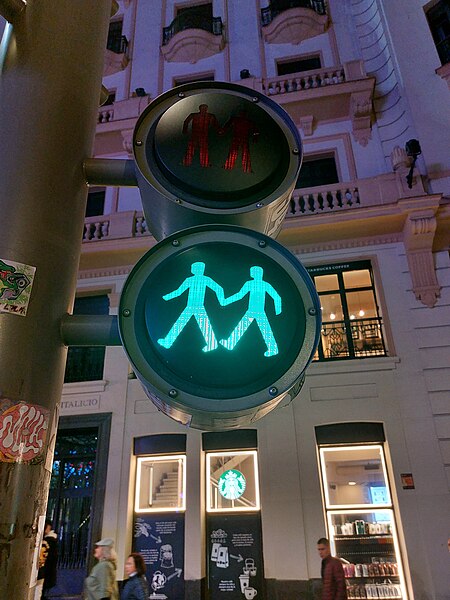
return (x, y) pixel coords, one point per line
(23, 430)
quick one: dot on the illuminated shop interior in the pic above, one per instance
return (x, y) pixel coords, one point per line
(361, 520)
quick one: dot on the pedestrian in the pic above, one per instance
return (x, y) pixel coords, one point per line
(332, 572)
(49, 567)
(101, 584)
(136, 586)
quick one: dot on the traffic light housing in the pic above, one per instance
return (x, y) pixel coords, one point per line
(218, 320)
(215, 153)
(219, 323)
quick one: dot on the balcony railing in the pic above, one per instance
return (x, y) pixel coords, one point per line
(379, 191)
(357, 338)
(334, 197)
(298, 82)
(278, 6)
(191, 20)
(117, 44)
(113, 226)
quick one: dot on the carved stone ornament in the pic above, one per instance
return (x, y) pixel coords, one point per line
(295, 25)
(127, 141)
(418, 236)
(114, 63)
(307, 124)
(191, 45)
(360, 114)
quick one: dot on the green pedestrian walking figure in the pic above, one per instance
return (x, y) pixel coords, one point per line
(195, 307)
(257, 290)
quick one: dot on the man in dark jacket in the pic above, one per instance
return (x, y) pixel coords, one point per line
(333, 577)
(49, 567)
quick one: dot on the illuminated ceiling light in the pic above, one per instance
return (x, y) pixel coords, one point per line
(332, 316)
(361, 313)
(352, 317)
(352, 483)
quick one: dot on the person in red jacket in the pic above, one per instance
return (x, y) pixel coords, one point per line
(333, 577)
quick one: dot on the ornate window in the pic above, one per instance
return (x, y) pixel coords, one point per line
(438, 17)
(351, 322)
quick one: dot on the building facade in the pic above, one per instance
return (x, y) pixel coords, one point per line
(362, 454)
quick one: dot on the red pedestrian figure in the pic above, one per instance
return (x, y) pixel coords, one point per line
(243, 128)
(201, 123)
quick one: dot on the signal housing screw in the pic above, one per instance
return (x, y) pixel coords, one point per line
(126, 312)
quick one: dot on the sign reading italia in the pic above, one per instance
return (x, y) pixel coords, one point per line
(219, 323)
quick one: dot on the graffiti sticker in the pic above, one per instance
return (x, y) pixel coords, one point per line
(16, 281)
(23, 430)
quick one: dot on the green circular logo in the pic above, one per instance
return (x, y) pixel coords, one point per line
(231, 484)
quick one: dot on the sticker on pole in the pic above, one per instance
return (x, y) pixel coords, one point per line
(23, 430)
(16, 281)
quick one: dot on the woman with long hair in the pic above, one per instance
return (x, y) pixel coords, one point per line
(136, 587)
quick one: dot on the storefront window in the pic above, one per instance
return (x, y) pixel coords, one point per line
(161, 484)
(233, 481)
(351, 323)
(361, 520)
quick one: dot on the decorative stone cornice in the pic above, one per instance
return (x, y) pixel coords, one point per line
(345, 244)
(191, 45)
(418, 236)
(116, 271)
(294, 25)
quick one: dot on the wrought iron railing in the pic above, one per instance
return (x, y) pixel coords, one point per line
(84, 363)
(192, 20)
(276, 7)
(117, 44)
(353, 338)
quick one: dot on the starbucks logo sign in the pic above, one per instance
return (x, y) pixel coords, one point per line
(232, 484)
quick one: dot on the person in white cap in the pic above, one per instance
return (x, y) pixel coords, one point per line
(101, 583)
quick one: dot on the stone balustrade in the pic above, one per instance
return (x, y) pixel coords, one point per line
(115, 226)
(324, 199)
(303, 81)
(378, 191)
(105, 114)
(95, 228)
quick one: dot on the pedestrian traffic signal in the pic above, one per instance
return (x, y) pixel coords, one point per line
(215, 153)
(219, 323)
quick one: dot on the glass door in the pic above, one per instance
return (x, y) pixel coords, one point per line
(361, 520)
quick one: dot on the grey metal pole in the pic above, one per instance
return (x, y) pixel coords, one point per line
(90, 330)
(49, 91)
(110, 171)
